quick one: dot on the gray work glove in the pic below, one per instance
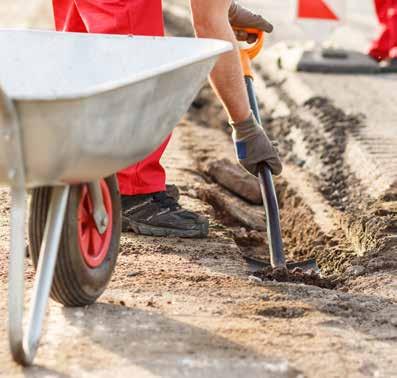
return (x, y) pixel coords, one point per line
(241, 17)
(253, 146)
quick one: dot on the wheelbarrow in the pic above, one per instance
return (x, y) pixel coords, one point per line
(75, 109)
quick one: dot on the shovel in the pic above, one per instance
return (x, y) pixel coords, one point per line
(277, 257)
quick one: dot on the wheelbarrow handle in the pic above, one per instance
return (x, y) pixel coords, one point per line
(265, 175)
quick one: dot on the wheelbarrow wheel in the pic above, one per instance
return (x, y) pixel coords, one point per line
(86, 258)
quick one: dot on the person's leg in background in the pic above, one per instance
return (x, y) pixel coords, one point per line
(380, 47)
(385, 47)
(392, 26)
(147, 208)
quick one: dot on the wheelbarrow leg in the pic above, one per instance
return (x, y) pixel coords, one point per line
(24, 348)
(16, 274)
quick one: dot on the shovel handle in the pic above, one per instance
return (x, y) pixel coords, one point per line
(268, 191)
(249, 53)
(269, 197)
(253, 50)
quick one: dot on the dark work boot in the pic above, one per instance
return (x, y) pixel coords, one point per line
(159, 214)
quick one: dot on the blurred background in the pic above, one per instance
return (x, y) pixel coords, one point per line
(358, 28)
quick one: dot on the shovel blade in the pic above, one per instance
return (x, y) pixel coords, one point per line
(306, 265)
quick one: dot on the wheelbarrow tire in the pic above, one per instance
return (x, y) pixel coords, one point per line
(76, 283)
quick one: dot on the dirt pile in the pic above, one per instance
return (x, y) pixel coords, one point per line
(296, 275)
(303, 238)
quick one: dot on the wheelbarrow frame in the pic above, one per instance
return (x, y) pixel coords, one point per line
(20, 174)
(24, 344)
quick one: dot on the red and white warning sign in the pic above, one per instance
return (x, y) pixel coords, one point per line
(321, 9)
(319, 18)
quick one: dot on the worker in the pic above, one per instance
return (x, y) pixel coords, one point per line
(147, 208)
(384, 48)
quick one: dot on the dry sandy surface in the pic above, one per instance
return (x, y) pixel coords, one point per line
(180, 308)
(187, 308)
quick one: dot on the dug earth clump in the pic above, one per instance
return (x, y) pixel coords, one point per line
(296, 275)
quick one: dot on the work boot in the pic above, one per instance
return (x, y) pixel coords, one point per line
(159, 214)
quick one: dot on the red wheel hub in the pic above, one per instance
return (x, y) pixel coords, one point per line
(93, 245)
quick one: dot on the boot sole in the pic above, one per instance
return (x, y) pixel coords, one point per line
(144, 229)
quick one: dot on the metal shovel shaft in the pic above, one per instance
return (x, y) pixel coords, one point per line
(277, 258)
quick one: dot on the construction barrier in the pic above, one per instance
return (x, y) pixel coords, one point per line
(319, 18)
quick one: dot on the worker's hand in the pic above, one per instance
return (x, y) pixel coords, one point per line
(241, 17)
(253, 147)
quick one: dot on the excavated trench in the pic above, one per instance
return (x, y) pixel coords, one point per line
(303, 238)
(364, 238)
(314, 137)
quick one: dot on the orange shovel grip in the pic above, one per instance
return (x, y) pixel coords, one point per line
(249, 53)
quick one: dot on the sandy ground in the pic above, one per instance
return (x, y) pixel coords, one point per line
(188, 308)
(180, 308)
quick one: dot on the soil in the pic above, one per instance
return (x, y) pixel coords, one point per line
(303, 238)
(296, 275)
(194, 308)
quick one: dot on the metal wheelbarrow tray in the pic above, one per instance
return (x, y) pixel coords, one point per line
(76, 108)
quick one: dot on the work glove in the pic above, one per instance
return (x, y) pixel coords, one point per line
(241, 17)
(253, 146)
